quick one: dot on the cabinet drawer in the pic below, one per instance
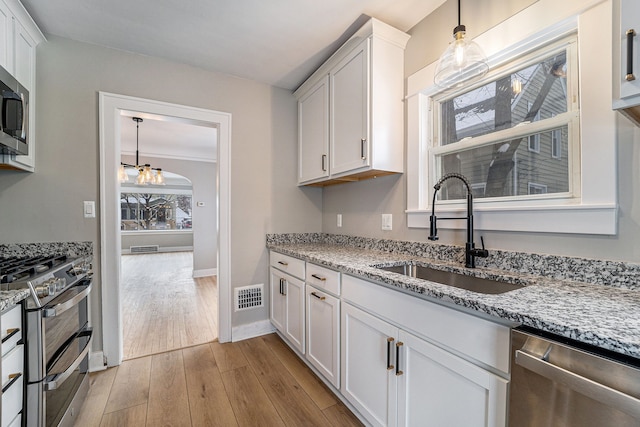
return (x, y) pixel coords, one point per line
(12, 370)
(291, 265)
(11, 328)
(323, 278)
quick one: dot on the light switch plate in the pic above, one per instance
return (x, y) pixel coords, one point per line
(89, 209)
(339, 220)
(387, 220)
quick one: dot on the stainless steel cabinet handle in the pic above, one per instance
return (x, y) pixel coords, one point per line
(324, 163)
(585, 386)
(398, 371)
(12, 380)
(315, 276)
(363, 148)
(283, 263)
(10, 332)
(389, 344)
(631, 33)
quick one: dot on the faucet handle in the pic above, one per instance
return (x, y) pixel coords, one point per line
(482, 253)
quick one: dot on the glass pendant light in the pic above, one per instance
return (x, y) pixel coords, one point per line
(462, 62)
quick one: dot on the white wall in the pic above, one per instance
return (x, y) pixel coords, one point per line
(362, 203)
(47, 205)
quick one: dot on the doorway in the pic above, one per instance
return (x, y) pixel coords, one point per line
(112, 106)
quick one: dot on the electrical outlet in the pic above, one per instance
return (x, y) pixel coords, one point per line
(387, 221)
(339, 220)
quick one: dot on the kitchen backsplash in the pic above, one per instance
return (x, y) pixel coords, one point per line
(24, 250)
(601, 272)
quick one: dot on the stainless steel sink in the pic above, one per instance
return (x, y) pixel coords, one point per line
(470, 283)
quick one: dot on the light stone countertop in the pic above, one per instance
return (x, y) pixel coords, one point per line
(604, 316)
(9, 298)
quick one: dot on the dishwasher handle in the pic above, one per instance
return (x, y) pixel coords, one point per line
(592, 389)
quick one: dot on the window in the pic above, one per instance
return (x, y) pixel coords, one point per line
(148, 211)
(577, 143)
(493, 134)
(535, 188)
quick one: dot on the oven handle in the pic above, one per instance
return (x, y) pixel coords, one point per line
(55, 381)
(58, 309)
(607, 395)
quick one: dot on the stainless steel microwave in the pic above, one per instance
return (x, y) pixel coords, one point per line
(14, 115)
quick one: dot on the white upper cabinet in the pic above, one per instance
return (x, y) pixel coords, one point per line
(19, 37)
(626, 58)
(350, 110)
(313, 129)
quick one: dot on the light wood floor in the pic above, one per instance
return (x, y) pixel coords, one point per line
(257, 382)
(163, 307)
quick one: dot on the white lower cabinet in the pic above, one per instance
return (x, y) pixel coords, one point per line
(369, 380)
(287, 307)
(395, 378)
(323, 332)
(437, 388)
(12, 368)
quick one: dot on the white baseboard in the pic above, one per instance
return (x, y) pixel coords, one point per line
(96, 361)
(205, 272)
(251, 330)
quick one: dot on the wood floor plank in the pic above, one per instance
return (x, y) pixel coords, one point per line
(100, 384)
(249, 400)
(340, 415)
(208, 400)
(315, 388)
(168, 399)
(131, 385)
(129, 417)
(228, 356)
(163, 307)
(292, 403)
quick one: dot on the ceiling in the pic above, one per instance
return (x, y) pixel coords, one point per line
(277, 42)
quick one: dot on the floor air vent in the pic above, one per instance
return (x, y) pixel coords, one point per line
(144, 249)
(249, 297)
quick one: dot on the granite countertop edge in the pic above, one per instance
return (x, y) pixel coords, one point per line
(599, 315)
(11, 298)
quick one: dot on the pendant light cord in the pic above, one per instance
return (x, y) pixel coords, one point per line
(458, 13)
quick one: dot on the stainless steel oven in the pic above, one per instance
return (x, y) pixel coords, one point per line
(557, 382)
(58, 337)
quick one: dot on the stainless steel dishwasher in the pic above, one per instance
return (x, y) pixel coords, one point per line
(557, 382)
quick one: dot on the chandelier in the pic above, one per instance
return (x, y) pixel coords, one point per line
(146, 174)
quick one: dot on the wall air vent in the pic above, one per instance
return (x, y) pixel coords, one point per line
(144, 249)
(249, 297)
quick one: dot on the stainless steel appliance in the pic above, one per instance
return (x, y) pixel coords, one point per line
(557, 382)
(14, 115)
(58, 336)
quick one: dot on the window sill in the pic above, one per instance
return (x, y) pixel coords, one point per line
(143, 232)
(575, 219)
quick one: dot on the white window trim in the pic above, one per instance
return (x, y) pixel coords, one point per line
(595, 209)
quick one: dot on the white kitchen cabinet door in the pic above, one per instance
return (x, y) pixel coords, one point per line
(323, 333)
(313, 133)
(294, 330)
(438, 388)
(6, 38)
(368, 379)
(277, 300)
(287, 307)
(349, 82)
(629, 21)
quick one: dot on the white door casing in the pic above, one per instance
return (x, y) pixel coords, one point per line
(110, 106)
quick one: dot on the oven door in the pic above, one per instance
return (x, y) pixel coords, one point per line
(61, 361)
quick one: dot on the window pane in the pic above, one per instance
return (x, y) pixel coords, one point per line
(532, 93)
(509, 168)
(141, 211)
